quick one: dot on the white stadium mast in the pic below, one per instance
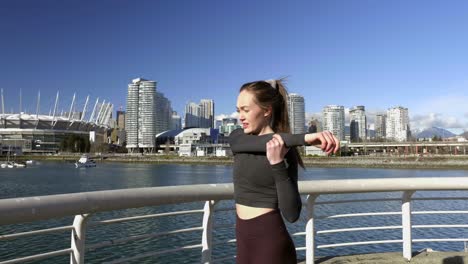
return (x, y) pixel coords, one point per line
(100, 111)
(71, 107)
(94, 110)
(84, 108)
(111, 108)
(3, 105)
(20, 103)
(38, 102)
(55, 106)
(104, 114)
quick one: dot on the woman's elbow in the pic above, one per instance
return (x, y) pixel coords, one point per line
(291, 218)
(293, 215)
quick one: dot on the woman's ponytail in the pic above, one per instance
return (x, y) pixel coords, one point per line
(281, 117)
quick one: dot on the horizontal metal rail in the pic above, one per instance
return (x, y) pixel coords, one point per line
(361, 243)
(298, 234)
(440, 226)
(440, 240)
(355, 229)
(36, 232)
(20, 210)
(357, 215)
(438, 212)
(301, 248)
(39, 256)
(359, 201)
(143, 217)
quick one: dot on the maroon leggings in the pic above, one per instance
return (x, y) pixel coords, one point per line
(264, 240)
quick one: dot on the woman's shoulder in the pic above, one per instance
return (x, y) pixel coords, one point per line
(236, 132)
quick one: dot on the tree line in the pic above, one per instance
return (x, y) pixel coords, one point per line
(75, 143)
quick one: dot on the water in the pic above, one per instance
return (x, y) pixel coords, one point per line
(58, 178)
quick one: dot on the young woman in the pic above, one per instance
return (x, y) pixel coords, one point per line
(265, 173)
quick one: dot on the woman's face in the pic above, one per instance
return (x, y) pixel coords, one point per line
(253, 118)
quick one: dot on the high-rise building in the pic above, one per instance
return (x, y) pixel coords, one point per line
(380, 126)
(296, 111)
(176, 121)
(140, 121)
(207, 113)
(218, 124)
(121, 119)
(228, 125)
(358, 124)
(314, 126)
(397, 124)
(200, 115)
(334, 120)
(163, 113)
(192, 113)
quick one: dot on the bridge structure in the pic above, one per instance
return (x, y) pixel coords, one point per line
(84, 206)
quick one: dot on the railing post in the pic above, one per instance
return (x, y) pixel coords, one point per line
(406, 224)
(207, 231)
(310, 230)
(78, 239)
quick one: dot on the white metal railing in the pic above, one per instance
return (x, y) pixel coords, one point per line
(84, 205)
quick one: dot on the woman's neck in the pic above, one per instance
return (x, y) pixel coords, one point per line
(266, 130)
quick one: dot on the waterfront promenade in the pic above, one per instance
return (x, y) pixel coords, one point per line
(381, 161)
(395, 258)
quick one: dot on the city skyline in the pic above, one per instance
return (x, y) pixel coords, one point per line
(308, 116)
(359, 53)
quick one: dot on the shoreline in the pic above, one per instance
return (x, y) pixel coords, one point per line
(384, 162)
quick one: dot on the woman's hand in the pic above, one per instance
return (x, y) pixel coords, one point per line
(276, 150)
(325, 140)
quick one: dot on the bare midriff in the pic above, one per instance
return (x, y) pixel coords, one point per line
(247, 212)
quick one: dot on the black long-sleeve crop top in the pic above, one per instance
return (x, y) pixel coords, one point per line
(259, 184)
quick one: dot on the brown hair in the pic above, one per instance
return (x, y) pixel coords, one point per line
(273, 93)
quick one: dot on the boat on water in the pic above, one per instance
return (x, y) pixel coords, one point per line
(12, 164)
(19, 164)
(85, 162)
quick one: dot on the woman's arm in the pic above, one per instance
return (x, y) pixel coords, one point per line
(289, 200)
(241, 142)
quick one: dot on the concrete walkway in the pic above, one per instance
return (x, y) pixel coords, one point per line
(397, 258)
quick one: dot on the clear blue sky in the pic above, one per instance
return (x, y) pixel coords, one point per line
(373, 53)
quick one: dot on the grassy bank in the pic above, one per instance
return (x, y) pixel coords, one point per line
(394, 162)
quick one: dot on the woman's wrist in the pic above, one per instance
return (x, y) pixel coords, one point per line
(276, 161)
